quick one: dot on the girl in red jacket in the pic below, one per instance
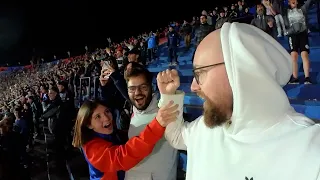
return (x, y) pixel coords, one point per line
(107, 156)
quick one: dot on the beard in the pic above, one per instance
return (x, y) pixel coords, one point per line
(214, 115)
(146, 98)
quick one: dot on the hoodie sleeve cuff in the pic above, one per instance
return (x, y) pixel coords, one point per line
(177, 98)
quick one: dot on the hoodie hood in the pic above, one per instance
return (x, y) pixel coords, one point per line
(257, 67)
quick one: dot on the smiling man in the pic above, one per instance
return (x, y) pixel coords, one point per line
(162, 163)
(248, 129)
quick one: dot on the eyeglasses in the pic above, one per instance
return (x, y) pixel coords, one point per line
(142, 87)
(200, 72)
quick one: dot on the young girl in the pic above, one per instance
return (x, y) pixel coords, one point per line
(102, 145)
(298, 38)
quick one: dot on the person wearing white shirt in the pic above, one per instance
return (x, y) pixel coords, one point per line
(248, 129)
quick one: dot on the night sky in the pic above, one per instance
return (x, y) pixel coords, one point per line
(46, 28)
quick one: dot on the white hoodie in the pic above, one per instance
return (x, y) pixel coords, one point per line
(162, 163)
(267, 139)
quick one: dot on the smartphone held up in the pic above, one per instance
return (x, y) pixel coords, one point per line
(106, 69)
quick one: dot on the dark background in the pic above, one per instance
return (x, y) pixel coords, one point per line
(45, 28)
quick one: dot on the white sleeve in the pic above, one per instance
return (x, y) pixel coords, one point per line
(176, 131)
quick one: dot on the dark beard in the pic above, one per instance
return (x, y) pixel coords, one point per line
(213, 114)
(146, 105)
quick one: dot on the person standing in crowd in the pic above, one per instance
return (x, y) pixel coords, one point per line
(246, 12)
(247, 122)
(298, 39)
(187, 30)
(241, 8)
(222, 19)
(58, 125)
(12, 149)
(36, 109)
(214, 18)
(173, 43)
(107, 155)
(152, 45)
(203, 30)
(114, 93)
(22, 125)
(67, 99)
(262, 21)
(161, 164)
(134, 56)
(274, 10)
(195, 23)
(209, 18)
(233, 13)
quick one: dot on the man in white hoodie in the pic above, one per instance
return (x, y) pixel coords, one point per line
(248, 129)
(161, 164)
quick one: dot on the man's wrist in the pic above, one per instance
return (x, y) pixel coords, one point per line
(169, 93)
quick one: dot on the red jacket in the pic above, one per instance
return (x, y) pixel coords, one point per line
(108, 158)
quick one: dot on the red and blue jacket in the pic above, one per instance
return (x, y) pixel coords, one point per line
(108, 160)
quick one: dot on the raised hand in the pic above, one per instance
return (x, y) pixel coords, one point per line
(104, 76)
(168, 81)
(167, 114)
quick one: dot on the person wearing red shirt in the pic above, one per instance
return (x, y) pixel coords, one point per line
(102, 144)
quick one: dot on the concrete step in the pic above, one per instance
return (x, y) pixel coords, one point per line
(303, 92)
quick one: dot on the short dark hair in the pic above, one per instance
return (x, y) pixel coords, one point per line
(137, 70)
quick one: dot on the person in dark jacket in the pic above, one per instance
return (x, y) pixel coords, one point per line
(115, 94)
(28, 116)
(57, 114)
(36, 109)
(152, 45)
(173, 43)
(233, 13)
(11, 150)
(187, 30)
(273, 8)
(222, 19)
(263, 22)
(214, 18)
(67, 99)
(203, 30)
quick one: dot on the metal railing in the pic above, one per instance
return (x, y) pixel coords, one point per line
(88, 89)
